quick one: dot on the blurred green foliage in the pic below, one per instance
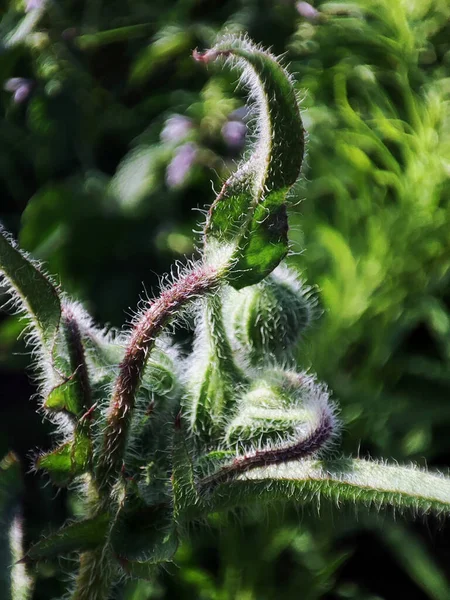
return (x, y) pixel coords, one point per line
(110, 138)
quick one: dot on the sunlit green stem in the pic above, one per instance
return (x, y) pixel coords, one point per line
(94, 580)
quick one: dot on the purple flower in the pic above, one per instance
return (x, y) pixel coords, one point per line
(33, 4)
(240, 114)
(176, 129)
(20, 87)
(234, 134)
(307, 11)
(180, 165)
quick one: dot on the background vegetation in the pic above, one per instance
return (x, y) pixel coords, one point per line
(110, 137)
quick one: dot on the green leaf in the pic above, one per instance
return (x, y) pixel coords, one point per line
(170, 43)
(410, 551)
(64, 397)
(90, 41)
(76, 537)
(104, 353)
(353, 481)
(32, 289)
(67, 461)
(249, 213)
(145, 533)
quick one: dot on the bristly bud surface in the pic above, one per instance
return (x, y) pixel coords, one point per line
(267, 320)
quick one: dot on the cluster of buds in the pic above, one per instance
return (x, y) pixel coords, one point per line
(154, 440)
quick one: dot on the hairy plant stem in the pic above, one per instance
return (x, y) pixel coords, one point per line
(95, 578)
(77, 357)
(303, 448)
(195, 283)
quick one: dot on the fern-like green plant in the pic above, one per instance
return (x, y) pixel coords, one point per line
(153, 440)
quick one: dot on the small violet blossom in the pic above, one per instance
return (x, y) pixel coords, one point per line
(234, 133)
(307, 11)
(180, 165)
(33, 4)
(20, 87)
(176, 129)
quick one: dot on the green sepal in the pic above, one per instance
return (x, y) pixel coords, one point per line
(62, 361)
(159, 374)
(67, 461)
(249, 215)
(65, 397)
(103, 351)
(76, 537)
(35, 292)
(212, 390)
(184, 491)
(211, 462)
(144, 533)
(253, 426)
(214, 375)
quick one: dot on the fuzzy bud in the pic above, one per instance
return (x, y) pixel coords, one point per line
(284, 417)
(281, 407)
(267, 320)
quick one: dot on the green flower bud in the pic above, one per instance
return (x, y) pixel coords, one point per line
(285, 416)
(279, 409)
(267, 320)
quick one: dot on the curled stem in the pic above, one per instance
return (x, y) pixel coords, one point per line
(196, 282)
(315, 440)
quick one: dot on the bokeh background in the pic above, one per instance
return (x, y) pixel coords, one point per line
(110, 136)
